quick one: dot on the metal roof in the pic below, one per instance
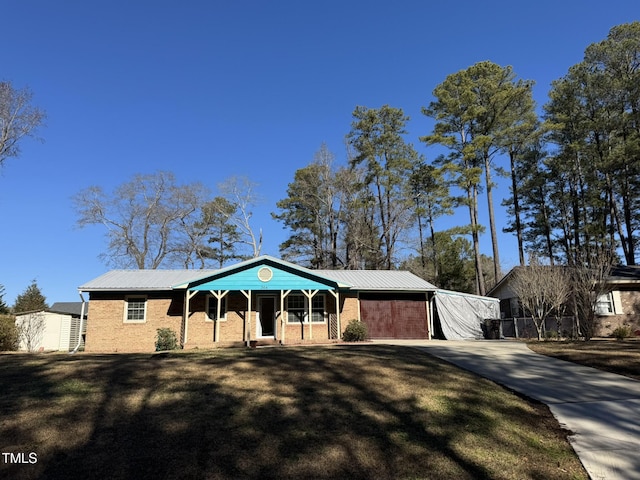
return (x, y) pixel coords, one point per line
(379, 279)
(142, 279)
(372, 280)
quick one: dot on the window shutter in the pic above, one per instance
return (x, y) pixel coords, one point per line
(617, 302)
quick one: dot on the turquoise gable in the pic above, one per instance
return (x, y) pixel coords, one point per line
(264, 277)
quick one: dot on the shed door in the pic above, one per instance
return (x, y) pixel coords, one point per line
(394, 315)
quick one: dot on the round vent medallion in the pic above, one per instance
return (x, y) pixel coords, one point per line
(265, 274)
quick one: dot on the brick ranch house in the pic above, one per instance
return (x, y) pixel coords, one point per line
(264, 299)
(618, 306)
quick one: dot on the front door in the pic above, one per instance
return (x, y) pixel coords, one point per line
(266, 314)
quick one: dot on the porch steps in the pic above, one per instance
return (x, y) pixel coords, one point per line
(266, 342)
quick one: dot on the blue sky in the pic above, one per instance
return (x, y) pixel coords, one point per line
(211, 89)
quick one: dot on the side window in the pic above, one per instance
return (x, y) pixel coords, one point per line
(135, 309)
(604, 305)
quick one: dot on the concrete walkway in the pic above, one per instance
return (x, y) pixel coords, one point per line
(601, 409)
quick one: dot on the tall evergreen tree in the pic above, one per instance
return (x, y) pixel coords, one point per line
(315, 211)
(520, 140)
(593, 118)
(362, 232)
(430, 192)
(478, 112)
(614, 66)
(31, 299)
(223, 236)
(377, 139)
(4, 308)
(454, 129)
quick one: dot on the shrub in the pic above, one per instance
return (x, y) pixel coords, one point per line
(356, 331)
(621, 333)
(166, 340)
(8, 333)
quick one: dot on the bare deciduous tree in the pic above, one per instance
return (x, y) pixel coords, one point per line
(589, 284)
(18, 119)
(149, 219)
(542, 290)
(240, 191)
(30, 330)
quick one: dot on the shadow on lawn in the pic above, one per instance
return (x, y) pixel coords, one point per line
(342, 412)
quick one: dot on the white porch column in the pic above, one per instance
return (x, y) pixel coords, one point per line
(187, 296)
(310, 294)
(247, 319)
(219, 295)
(283, 320)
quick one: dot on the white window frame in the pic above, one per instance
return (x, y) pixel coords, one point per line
(314, 309)
(290, 310)
(223, 309)
(305, 309)
(129, 299)
(609, 304)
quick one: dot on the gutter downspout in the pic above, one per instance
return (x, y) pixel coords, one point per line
(75, 350)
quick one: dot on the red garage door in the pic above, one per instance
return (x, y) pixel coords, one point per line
(394, 315)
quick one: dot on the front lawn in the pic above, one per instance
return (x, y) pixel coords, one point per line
(357, 411)
(615, 356)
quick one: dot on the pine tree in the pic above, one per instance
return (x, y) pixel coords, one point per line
(593, 118)
(30, 300)
(4, 309)
(480, 111)
(430, 192)
(224, 236)
(377, 139)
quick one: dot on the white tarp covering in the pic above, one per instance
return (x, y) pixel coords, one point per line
(462, 315)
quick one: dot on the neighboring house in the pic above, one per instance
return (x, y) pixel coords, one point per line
(54, 329)
(264, 299)
(619, 306)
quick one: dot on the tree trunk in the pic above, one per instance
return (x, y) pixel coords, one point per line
(628, 215)
(516, 209)
(436, 268)
(539, 325)
(472, 195)
(384, 223)
(547, 234)
(492, 222)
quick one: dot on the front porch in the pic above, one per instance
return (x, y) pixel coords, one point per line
(265, 303)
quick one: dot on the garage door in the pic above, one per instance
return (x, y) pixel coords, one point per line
(394, 315)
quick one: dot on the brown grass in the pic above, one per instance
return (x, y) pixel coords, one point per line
(615, 356)
(358, 412)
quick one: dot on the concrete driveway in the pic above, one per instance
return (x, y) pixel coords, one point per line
(601, 409)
